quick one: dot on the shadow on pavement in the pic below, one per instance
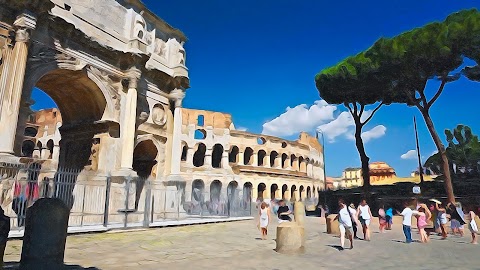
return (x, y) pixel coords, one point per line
(16, 265)
(337, 247)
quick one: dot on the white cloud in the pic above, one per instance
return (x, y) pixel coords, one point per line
(410, 154)
(374, 133)
(300, 118)
(320, 116)
(241, 129)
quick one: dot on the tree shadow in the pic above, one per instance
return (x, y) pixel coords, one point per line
(16, 265)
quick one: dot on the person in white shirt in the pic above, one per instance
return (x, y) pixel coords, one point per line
(345, 219)
(365, 216)
(407, 214)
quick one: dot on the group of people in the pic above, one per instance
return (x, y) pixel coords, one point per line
(282, 211)
(435, 214)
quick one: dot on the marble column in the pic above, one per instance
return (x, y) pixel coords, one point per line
(177, 95)
(11, 83)
(254, 159)
(128, 124)
(225, 163)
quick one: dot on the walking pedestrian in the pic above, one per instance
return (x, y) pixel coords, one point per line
(365, 216)
(389, 217)
(354, 221)
(442, 219)
(407, 222)
(345, 221)
(382, 219)
(264, 219)
(423, 215)
(472, 226)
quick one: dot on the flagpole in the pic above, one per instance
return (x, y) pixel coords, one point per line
(420, 167)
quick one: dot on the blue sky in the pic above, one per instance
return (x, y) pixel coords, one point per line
(255, 59)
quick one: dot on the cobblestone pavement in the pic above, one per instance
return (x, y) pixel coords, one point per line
(236, 245)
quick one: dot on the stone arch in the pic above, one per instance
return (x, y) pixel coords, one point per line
(215, 191)
(293, 162)
(293, 196)
(233, 155)
(284, 160)
(199, 156)
(184, 152)
(261, 157)
(302, 164)
(144, 158)
(50, 146)
(261, 191)
(28, 146)
(247, 156)
(284, 191)
(232, 197)
(30, 131)
(37, 153)
(273, 159)
(247, 194)
(217, 154)
(273, 191)
(309, 192)
(198, 191)
(301, 195)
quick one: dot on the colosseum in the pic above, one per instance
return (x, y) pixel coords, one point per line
(216, 161)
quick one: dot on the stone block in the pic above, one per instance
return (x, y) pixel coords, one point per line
(332, 225)
(45, 235)
(299, 213)
(290, 238)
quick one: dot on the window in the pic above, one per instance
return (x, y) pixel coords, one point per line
(200, 134)
(201, 121)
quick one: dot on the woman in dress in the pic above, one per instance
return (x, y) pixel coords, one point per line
(382, 219)
(472, 226)
(264, 216)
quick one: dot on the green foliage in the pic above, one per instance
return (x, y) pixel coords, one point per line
(463, 150)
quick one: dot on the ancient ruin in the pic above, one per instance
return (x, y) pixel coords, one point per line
(130, 151)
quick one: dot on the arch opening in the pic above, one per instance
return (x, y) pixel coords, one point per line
(199, 156)
(261, 157)
(233, 155)
(217, 154)
(247, 156)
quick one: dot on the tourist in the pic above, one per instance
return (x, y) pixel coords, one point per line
(389, 217)
(365, 216)
(382, 219)
(345, 223)
(423, 215)
(407, 222)
(355, 221)
(283, 212)
(472, 226)
(442, 219)
(457, 218)
(264, 219)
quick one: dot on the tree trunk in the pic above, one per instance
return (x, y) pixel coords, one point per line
(364, 159)
(443, 154)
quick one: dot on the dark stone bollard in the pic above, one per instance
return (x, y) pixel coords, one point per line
(45, 235)
(4, 230)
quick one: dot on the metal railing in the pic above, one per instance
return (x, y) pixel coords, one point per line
(119, 202)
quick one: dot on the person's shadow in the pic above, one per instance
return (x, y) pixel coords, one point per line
(337, 247)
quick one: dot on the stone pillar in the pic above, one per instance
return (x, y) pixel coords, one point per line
(45, 152)
(128, 123)
(56, 152)
(277, 193)
(287, 163)
(11, 83)
(177, 95)
(225, 163)
(189, 161)
(240, 159)
(266, 161)
(254, 159)
(208, 158)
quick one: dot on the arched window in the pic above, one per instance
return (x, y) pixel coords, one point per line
(199, 156)
(273, 159)
(284, 160)
(200, 134)
(30, 132)
(247, 156)
(217, 156)
(233, 155)
(27, 148)
(200, 120)
(50, 146)
(261, 157)
(184, 153)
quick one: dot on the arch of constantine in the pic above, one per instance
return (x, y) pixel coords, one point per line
(118, 76)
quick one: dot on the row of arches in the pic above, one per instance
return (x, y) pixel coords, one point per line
(202, 155)
(292, 193)
(38, 150)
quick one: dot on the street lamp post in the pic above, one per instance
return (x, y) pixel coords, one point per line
(324, 171)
